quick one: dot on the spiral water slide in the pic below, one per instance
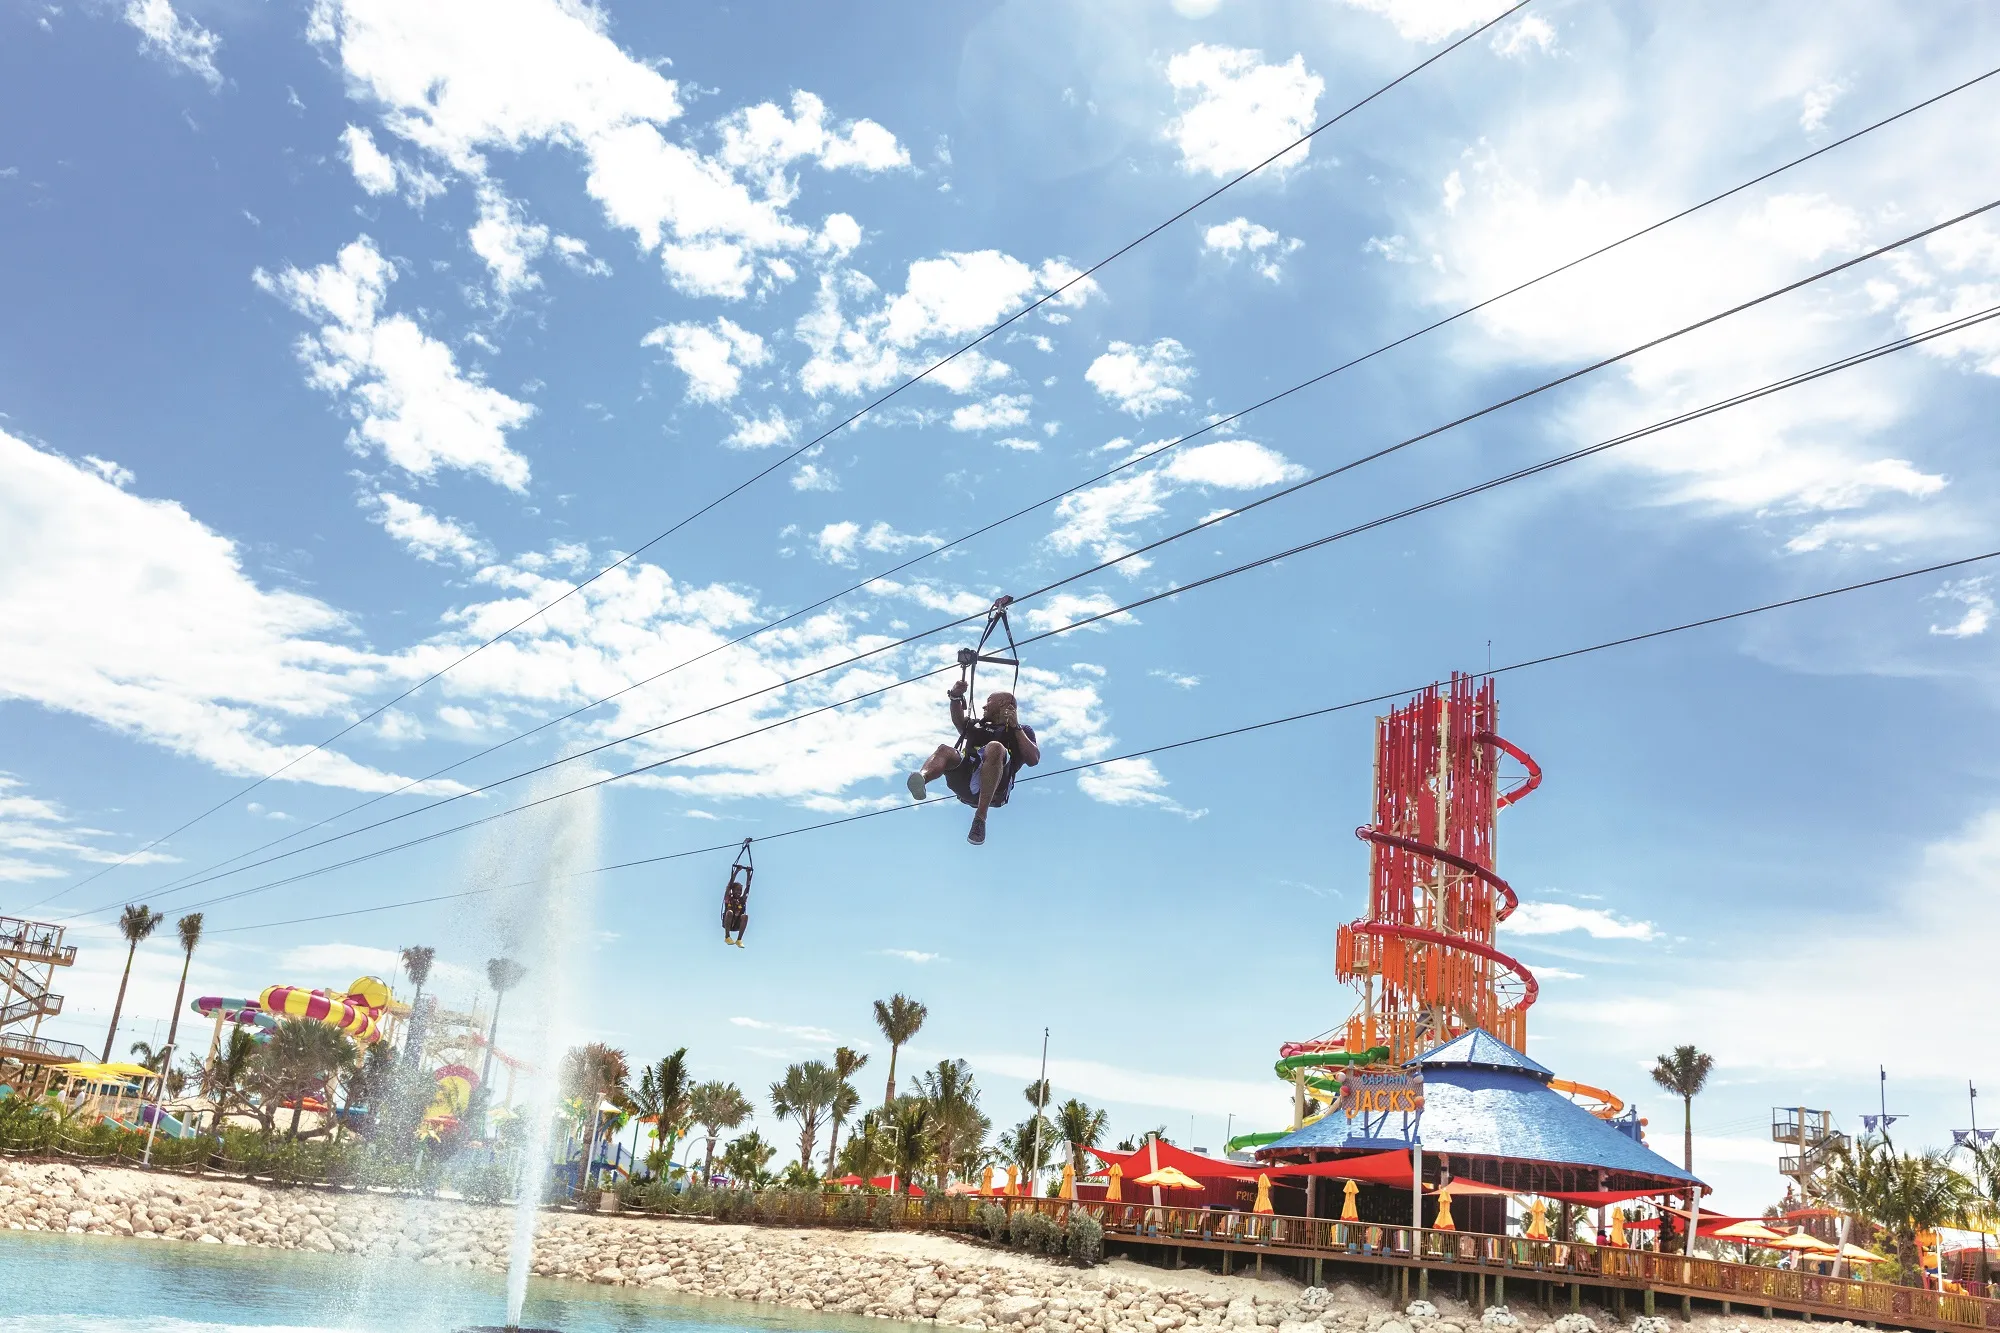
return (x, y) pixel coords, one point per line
(1296, 1059)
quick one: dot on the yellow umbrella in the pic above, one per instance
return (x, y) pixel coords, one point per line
(1538, 1220)
(1170, 1177)
(1804, 1240)
(1113, 1194)
(1855, 1254)
(1618, 1228)
(1069, 1181)
(1263, 1204)
(1347, 1213)
(1013, 1177)
(986, 1181)
(1748, 1229)
(1444, 1222)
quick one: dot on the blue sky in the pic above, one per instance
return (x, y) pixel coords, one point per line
(343, 336)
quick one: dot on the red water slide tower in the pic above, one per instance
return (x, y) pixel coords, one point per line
(1424, 958)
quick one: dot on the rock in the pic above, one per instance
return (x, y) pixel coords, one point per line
(1574, 1323)
(1649, 1323)
(1290, 1326)
(961, 1309)
(1425, 1310)
(1499, 1316)
(1312, 1298)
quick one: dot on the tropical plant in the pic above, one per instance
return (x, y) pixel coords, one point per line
(1899, 1195)
(135, 923)
(846, 1063)
(747, 1159)
(1684, 1073)
(1080, 1127)
(1086, 1239)
(417, 960)
(716, 1106)
(503, 974)
(900, 1018)
(189, 929)
(663, 1096)
(806, 1094)
(1030, 1144)
(302, 1059)
(956, 1122)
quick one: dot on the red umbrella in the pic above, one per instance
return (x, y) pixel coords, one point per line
(849, 1179)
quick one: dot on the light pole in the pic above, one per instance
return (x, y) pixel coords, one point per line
(1041, 1104)
(159, 1095)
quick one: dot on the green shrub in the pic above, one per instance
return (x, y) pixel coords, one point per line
(1020, 1229)
(854, 1208)
(1086, 1240)
(1044, 1236)
(993, 1221)
(888, 1211)
(488, 1182)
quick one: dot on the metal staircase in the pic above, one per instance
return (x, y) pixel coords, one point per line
(30, 953)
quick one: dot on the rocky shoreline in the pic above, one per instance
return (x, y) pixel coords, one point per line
(911, 1276)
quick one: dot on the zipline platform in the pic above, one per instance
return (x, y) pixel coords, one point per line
(1484, 1269)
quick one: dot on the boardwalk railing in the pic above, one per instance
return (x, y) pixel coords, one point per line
(1541, 1260)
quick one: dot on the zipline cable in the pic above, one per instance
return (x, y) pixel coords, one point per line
(823, 436)
(1530, 470)
(1546, 660)
(1102, 565)
(1133, 461)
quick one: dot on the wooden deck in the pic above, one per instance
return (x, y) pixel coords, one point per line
(1486, 1269)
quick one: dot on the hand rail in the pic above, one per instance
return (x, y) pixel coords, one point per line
(1715, 1279)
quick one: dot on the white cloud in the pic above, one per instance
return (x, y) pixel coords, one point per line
(713, 357)
(1067, 608)
(1977, 599)
(948, 298)
(507, 241)
(1533, 918)
(838, 542)
(426, 535)
(462, 78)
(1176, 679)
(180, 41)
(1233, 464)
(1428, 20)
(32, 830)
(1131, 782)
(1020, 445)
(912, 955)
(374, 171)
(1241, 238)
(576, 255)
(760, 432)
(1817, 103)
(806, 1032)
(116, 473)
(839, 236)
(1142, 380)
(130, 612)
(764, 139)
(1003, 411)
(813, 477)
(1237, 111)
(1530, 33)
(403, 388)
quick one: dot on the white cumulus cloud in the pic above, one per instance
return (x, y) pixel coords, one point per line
(1237, 110)
(1559, 918)
(1142, 379)
(1241, 238)
(374, 170)
(426, 535)
(712, 356)
(404, 389)
(177, 40)
(1003, 411)
(507, 241)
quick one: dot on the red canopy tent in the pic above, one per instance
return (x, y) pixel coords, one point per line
(890, 1182)
(1160, 1153)
(1587, 1198)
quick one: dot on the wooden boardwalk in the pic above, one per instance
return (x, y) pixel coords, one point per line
(1487, 1270)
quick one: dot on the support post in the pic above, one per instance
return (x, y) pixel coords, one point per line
(1687, 1307)
(1482, 1291)
(1423, 1284)
(1576, 1298)
(1499, 1288)
(1646, 1302)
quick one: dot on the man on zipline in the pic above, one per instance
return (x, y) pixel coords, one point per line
(980, 769)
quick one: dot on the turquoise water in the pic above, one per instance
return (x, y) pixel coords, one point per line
(104, 1284)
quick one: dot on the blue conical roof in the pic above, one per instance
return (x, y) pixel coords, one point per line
(1480, 1049)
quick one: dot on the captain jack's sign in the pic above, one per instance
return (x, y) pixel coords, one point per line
(1375, 1092)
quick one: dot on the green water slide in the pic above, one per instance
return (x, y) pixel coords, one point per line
(1289, 1066)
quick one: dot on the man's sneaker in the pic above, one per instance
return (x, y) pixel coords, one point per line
(977, 835)
(917, 792)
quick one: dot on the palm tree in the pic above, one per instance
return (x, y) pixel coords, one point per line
(417, 960)
(1684, 1073)
(1902, 1195)
(189, 927)
(914, 1120)
(147, 1055)
(899, 1017)
(303, 1057)
(806, 1094)
(664, 1091)
(224, 1077)
(747, 1158)
(503, 974)
(1080, 1127)
(846, 1063)
(136, 922)
(955, 1114)
(716, 1106)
